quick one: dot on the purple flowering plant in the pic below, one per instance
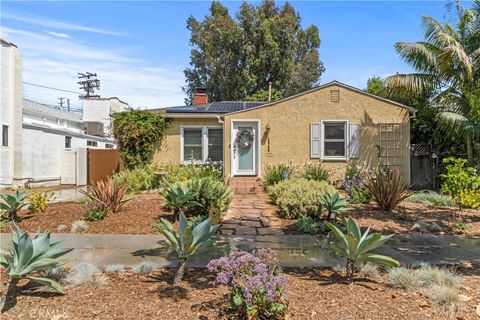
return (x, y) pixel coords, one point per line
(257, 286)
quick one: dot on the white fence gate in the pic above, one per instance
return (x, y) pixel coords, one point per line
(74, 167)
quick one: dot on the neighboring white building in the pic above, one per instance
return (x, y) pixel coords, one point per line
(39, 140)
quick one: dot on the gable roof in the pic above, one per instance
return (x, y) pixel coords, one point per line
(221, 107)
(340, 84)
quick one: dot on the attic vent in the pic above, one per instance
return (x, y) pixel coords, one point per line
(334, 95)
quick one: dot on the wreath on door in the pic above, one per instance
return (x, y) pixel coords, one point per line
(244, 139)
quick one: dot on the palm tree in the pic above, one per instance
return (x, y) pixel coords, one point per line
(447, 67)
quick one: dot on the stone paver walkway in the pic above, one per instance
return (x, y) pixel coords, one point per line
(251, 212)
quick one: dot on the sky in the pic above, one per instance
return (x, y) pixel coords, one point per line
(140, 49)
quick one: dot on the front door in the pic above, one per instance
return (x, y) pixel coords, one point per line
(244, 148)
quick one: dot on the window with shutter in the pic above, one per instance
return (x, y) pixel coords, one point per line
(315, 140)
(354, 143)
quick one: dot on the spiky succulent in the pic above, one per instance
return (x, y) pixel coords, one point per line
(13, 203)
(333, 205)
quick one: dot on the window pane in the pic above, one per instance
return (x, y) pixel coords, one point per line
(68, 142)
(215, 153)
(5, 136)
(192, 153)
(192, 136)
(215, 145)
(334, 149)
(334, 131)
(215, 136)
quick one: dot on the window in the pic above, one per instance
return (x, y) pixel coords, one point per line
(4, 136)
(202, 144)
(91, 143)
(108, 145)
(334, 139)
(68, 142)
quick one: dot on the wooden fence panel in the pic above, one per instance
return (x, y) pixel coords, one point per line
(102, 163)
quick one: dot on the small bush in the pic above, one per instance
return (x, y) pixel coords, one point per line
(431, 275)
(370, 271)
(79, 226)
(257, 287)
(460, 227)
(215, 196)
(299, 196)
(275, 174)
(39, 202)
(443, 296)
(184, 172)
(145, 267)
(387, 188)
(404, 279)
(315, 171)
(95, 214)
(88, 275)
(107, 195)
(139, 178)
(461, 183)
(11, 204)
(115, 268)
(310, 225)
(353, 183)
(430, 198)
(469, 198)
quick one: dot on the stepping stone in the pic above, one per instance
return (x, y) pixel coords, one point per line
(246, 231)
(269, 231)
(255, 224)
(229, 226)
(251, 218)
(251, 211)
(227, 232)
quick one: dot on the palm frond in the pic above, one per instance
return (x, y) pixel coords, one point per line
(458, 124)
(420, 55)
(417, 83)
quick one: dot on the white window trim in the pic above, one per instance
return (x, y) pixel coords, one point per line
(322, 139)
(204, 143)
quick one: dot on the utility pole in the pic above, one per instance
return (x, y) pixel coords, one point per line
(88, 83)
(60, 102)
(68, 105)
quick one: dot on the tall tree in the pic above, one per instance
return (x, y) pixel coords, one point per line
(447, 64)
(235, 58)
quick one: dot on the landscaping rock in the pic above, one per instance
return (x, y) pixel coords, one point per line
(425, 227)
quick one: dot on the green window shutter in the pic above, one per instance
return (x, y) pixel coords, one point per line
(315, 140)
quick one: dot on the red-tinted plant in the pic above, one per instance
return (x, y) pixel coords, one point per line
(387, 187)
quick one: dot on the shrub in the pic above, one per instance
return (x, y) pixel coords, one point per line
(179, 198)
(353, 183)
(137, 133)
(387, 188)
(461, 183)
(139, 178)
(39, 202)
(88, 275)
(257, 287)
(115, 268)
(356, 247)
(404, 278)
(95, 214)
(310, 225)
(79, 226)
(315, 171)
(300, 196)
(106, 195)
(187, 241)
(145, 267)
(28, 259)
(183, 172)
(278, 173)
(460, 227)
(215, 196)
(430, 198)
(12, 204)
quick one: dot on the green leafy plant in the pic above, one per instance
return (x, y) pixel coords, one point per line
(460, 227)
(315, 171)
(333, 204)
(39, 202)
(431, 198)
(107, 195)
(276, 173)
(28, 259)
(215, 196)
(12, 204)
(299, 196)
(139, 178)
(387, 187)
(353, 183)
(358, 247)
(184, 172)
(95, 214)
(461, 183)
(137, 133)
(188, 241)
(310, 225)
(178, 198)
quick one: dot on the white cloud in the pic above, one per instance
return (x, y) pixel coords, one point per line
(55, 24)
(54, 61)
(58, 34)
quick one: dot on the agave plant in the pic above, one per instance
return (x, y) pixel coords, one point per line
(107, 195)
(187, 241)
(178, 198)
(28, 259)
(355, 246)
(387, 188)
(13, 203)
(333, 204)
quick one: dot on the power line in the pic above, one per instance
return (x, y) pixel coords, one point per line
(39, 85)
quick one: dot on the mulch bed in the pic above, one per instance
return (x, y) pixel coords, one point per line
(313, 294)
(402, 219)
(137, 217)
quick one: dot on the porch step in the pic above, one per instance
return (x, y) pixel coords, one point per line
(244, 185)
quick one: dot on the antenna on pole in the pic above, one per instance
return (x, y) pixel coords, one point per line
(60, 102)
(88, 83)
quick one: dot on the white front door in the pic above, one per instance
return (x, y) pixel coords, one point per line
(244, 153)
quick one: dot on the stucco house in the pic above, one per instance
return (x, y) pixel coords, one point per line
(332, 124)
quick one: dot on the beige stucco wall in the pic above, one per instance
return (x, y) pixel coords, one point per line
(168, 150)
(289, 123)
